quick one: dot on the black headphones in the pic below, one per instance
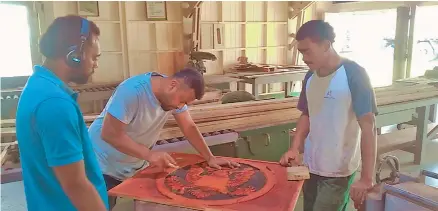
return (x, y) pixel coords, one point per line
(74, 55)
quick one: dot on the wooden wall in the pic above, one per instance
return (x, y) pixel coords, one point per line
(257, 30)
(132, 45)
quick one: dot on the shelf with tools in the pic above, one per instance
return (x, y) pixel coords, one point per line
(257, 30)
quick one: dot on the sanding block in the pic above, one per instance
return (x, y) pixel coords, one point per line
(298, 173)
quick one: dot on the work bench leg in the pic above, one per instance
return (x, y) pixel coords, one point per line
(421, 135)
(286, 89)
(255, 90)
(234, 86)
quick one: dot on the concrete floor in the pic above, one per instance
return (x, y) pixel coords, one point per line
(13, 199)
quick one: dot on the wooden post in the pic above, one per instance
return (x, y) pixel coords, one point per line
(421, 136)
(401, 43)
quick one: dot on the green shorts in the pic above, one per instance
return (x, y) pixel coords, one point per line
(327, 193)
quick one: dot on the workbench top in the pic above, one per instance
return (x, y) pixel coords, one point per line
(142, 188)
(261, 74)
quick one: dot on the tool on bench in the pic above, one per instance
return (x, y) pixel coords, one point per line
(394, 165)
(398, 191)
(197, 58)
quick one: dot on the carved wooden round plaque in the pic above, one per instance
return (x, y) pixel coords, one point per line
(202, 184)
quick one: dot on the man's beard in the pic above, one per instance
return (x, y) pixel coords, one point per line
(166, 106)
(82, 79)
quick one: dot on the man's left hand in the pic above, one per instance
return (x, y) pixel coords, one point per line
(218, 162)
(359, 191)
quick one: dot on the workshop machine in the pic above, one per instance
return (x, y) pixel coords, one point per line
(402, 192)
(197, 59)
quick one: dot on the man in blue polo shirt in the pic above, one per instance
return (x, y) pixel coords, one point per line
(60, 170)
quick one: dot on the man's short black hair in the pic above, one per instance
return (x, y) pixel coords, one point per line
(63, 33)
(193, 79)
(317, 30)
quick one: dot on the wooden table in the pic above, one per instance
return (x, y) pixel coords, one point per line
(403, 112)
(257, 79)
(222, 81)
(142, 188)
(420, 80)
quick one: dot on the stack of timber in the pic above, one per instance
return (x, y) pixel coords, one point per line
(238, 116)
(405, 92)
(235, 116)
(211, 118)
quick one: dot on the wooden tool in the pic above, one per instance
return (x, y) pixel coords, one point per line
(297, 173)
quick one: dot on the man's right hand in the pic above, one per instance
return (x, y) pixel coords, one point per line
(290, 157)
(161, 160)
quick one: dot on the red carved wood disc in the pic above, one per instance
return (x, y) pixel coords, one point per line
(200, 183)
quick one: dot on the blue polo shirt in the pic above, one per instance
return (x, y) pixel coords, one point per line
(51, 132)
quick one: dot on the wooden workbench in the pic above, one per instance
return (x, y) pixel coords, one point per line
(257, 79)
(396, 104)
(143, 189)
(222, 81)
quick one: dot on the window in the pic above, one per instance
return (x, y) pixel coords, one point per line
(370, 45)
(425, 46)
(15, 38)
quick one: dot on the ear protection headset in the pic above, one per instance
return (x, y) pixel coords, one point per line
(74, 55)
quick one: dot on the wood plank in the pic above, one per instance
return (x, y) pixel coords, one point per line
(255, 120)
(297, 173)
(245, 114)
(4, 154)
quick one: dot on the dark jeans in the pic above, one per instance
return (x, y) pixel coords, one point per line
(111, 183)
(327, 193)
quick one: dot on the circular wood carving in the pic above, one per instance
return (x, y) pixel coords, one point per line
(200, 183)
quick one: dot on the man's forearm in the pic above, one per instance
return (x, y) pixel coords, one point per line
(301, 132)
(123, 143)
(369, 153)
(197, 141)
(85, 197)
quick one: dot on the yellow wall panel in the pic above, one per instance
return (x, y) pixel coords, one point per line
(233, 36)
(255, 55)
(256, 35)
(207, 36)
(110, 36)
(276, 34)
(109, 63)
(210, 11)
(232, 10)
(141, 36)
(135, 11)
(255, 11)
(277, 10)
(168, 36)
(141, 62)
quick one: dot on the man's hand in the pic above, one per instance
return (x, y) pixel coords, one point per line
(218, 162)
(161, 160)
(359, 191)
(290, 158)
